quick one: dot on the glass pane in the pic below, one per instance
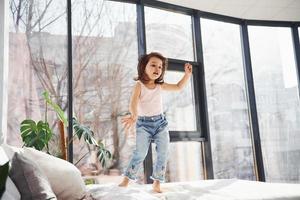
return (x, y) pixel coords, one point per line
(37, 63)
(185, 162)
(276, 90)
(179, 107)
(226, 99)
(169, 33)
(104, 59)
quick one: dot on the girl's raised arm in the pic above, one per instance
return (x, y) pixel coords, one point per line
(188, 68)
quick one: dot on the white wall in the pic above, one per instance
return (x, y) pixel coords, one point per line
(3, 67)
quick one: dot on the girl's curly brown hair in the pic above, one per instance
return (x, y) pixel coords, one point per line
(143, 60)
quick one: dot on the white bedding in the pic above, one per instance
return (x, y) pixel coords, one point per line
(218, 189)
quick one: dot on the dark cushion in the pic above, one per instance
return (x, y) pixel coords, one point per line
(29, 179)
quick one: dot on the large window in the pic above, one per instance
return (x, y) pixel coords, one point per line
(185, 162)
(180, 106)
(104, 59)
(277, 98)
(232, 153)
(169, 33)
(104, 64)
(37, 63)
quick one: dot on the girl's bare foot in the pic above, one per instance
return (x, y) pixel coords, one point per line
(124, 183)
(156, 186)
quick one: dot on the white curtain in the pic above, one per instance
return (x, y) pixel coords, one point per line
(3, 67)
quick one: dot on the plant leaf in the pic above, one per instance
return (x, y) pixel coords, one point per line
(103, 156)
(85, 131)
(60, 113)
(35, 135)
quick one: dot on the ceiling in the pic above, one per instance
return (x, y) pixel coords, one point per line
(276, 10)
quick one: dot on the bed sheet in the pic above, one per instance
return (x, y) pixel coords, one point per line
(217, 189)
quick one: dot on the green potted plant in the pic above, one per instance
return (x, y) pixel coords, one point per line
(38, 134)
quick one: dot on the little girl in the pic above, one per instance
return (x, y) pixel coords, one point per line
(147, 112)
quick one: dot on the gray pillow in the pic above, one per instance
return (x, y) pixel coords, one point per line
(29, 179)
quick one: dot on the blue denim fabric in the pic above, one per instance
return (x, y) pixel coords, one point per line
(147, 129)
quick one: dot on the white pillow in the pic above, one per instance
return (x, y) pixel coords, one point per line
(3, 156)
(11, 150)
(11, 191)
(65, 179)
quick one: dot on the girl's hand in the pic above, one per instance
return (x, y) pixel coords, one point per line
(188, 68)
(128, 122)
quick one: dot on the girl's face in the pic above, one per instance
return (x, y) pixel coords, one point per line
(154, 68)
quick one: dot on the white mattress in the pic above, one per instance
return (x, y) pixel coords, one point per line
(218, 189)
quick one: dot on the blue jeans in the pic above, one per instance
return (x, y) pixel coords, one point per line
(147, 129)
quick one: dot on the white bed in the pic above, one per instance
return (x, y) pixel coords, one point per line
(218, 189)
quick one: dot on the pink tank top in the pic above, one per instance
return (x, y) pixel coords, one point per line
(150, 101)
